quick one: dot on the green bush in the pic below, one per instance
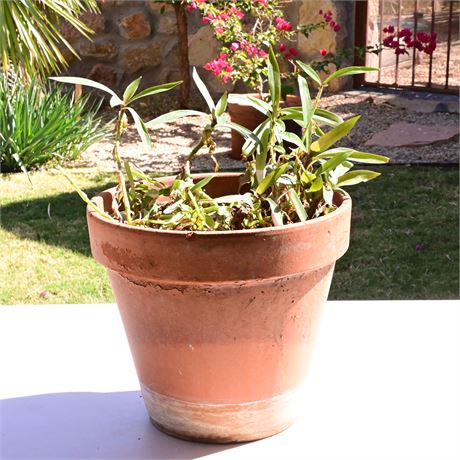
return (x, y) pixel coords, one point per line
(41, 122)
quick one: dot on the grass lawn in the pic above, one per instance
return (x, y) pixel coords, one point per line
(404, 244)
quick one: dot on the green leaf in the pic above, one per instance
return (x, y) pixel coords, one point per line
(355, 177)
(353, 70)
(270, 179)
(203, 90)
(260, 105)
(274, 81)
(334, 135)
(171, 116)
(156, 89)
(294, 139)
(277, 215)
(324, 117)
(307, 112)
(245, 132)
(356, 156)
(299, 209)
(202, 183)
(333, 162)
(317, 185)
(141, 128)
(114, 100)
(131, 89)
(221, 105)
(310, 72)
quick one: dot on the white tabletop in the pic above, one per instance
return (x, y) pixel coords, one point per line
(384, 385)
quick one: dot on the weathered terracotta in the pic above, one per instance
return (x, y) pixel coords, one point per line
(221, 324)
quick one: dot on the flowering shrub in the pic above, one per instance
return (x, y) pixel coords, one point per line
(246, 29)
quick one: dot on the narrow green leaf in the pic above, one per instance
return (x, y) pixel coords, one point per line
(299, 209)
(334, 135)
(353, 70)
(294, 139)
(141, 128)
(317, 185)
(333, 162)
(131, 89)
(245, 132)
(274, 81)
(156, 89)
(270, 179)
(114, 101)
(355, 177)
(356, 156)
(277, 215)
(310, 72)
(221, 105)
(202, 183)
(324, 117)
(171, 116)
(260, 105)
(203, 90)
(305, 99)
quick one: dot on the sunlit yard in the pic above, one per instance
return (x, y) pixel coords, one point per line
(404, 239)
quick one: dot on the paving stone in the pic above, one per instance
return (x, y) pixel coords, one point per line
(404, 134)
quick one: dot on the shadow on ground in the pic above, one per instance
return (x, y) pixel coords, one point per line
(57, 220)
(89, 425)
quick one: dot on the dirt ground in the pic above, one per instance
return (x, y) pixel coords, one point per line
(172, 142)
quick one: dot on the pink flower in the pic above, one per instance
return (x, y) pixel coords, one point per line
(337, 28)
(234, 46)
(262, 54)
(332, 24)
(191, 7)
(294, 52)
(320, 12)
(323, 52)
(391, 29)
(219, 30)
(282, 47)
(262, 2)
(282, 24)
(239, 14)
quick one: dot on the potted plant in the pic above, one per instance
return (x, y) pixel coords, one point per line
(220, 278)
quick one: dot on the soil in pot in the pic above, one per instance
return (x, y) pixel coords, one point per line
(221, 324)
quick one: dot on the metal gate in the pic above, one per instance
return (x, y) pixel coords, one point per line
(438, 72)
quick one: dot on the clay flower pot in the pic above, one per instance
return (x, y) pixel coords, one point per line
(221, 324)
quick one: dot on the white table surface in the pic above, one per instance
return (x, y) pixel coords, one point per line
(384, 385)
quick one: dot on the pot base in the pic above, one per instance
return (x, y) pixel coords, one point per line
(220, 423)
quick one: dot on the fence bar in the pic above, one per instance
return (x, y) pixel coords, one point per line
(431, 55)
(361, 21)
(449, 41)
(415, 34)
(380, 37)
(397, 29)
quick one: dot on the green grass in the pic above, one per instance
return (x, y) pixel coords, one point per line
(405, 237)
(404, 209)
(42, 253)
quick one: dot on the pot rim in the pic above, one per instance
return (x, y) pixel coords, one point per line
(342, 208)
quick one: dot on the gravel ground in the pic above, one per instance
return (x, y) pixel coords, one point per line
(172, 142)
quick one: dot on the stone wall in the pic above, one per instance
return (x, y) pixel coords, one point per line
(134, 38)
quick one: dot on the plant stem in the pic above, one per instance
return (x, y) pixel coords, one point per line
(117, 159)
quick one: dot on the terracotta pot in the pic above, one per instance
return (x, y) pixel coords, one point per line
(221, 324)
(249, 117)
